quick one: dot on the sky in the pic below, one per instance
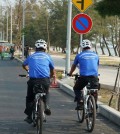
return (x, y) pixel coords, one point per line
(3, 2)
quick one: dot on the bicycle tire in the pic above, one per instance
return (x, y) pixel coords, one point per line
(40, 116)
(91, 113)
(81, 115)
(33, 117)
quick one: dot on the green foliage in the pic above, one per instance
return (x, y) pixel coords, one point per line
(108, 7)
(36, 28)
(51, 22)
(58, 22)
(31, 35)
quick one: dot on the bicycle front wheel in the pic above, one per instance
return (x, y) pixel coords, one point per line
(40, 116)
(91, 113)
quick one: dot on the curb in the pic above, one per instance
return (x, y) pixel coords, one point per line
(106, 111)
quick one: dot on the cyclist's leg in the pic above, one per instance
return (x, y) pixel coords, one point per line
(46, 84)
(95, 94)
(79, 85)
(95, 85)
(29, 102)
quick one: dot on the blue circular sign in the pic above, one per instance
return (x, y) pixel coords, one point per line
(82, 23)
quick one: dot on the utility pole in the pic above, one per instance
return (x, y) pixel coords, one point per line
(68, 41)
(11, 25)
(7, 24)
(23, 36)
(7, 5)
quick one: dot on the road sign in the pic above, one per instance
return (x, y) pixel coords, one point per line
(82, 23)
(82, 5)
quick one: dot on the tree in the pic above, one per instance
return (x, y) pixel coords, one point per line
(108, 7)
(111, 8)
(58, 23)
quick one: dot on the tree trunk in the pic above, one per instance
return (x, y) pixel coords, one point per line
(106, 45)
(119, 44)
(96, 47)
(103, 53)
(78, 48)
(113, 44)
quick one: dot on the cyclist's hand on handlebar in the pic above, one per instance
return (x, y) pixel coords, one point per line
(27, 76)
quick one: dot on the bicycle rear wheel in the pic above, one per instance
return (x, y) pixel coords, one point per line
(81, 115)
(91, 113)
(40, 116)
(33, 117)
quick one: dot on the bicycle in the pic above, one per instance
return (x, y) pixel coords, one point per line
(88, 111)
(38, 115)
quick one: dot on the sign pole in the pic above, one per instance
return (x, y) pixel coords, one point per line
(68, 41)
(81, 38)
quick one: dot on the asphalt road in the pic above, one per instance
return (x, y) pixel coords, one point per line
(63, 119)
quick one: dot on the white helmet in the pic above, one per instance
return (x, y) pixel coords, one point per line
(41, 44)
(86, 43)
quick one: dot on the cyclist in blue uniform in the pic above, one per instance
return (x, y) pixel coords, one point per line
(88, 63)
(41, 68)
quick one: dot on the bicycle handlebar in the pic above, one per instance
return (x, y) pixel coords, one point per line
(22, 75)
(73, 75)
(76, 75)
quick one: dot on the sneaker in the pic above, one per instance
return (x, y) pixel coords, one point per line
(28, 119)
(47, 110)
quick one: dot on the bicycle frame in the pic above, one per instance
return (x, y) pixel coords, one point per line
(85, 98)
(86, 94)
(38, 112)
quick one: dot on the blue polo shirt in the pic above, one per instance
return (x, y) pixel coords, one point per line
(39, 65)
(88, 62)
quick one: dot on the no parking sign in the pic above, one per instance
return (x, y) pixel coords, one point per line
(82, 23)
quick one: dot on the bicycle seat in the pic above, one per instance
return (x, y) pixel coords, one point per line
(38, 88)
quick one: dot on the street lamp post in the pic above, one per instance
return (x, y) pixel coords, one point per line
(23, 36)
(11, 26)
(7, 25)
